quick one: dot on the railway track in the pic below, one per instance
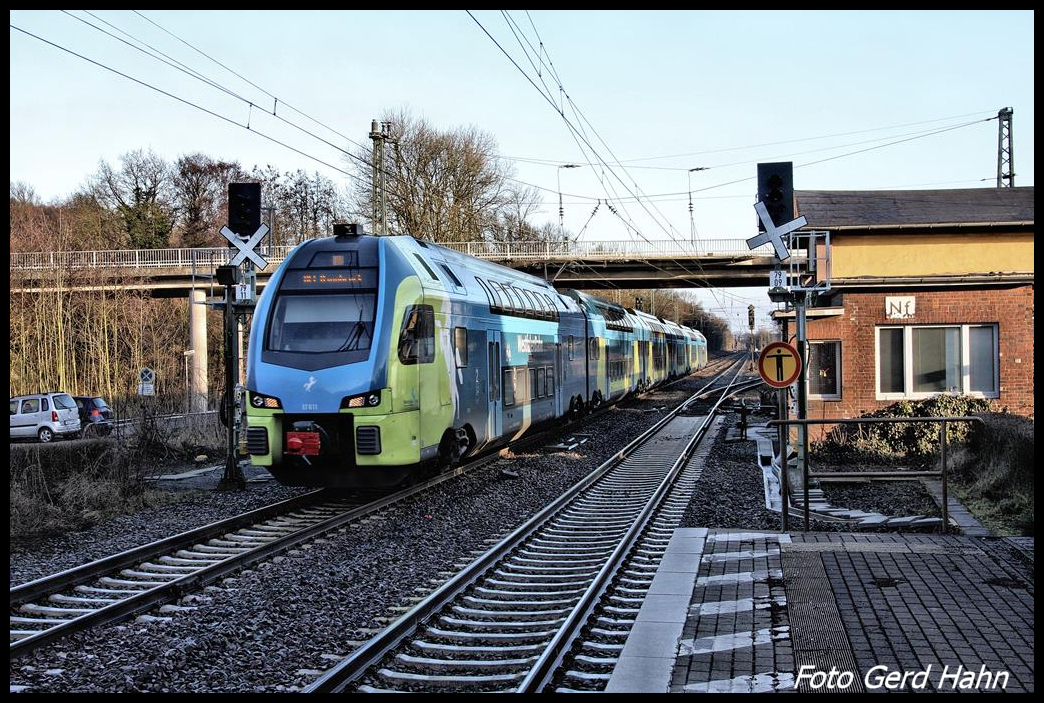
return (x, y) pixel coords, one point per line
(507, 621)
(140, 579)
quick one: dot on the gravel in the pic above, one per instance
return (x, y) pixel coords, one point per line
(272, 627)
(891, 498)
(193, 508)
(731, 492)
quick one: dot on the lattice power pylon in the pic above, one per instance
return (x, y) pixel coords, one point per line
(1005, 150)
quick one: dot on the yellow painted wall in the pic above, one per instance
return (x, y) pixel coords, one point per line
(930, 254)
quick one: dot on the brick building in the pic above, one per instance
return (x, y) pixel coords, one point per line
(931, 292)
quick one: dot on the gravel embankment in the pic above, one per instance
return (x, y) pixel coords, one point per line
(271, 628)
(193, 509)
(731, 493)
(892, 498)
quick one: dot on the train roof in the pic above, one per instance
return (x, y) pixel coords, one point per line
(467, 271)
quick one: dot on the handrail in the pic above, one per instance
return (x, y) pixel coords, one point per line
(496, 251)
(785, 424)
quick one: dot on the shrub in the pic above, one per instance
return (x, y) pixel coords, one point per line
(916, 442)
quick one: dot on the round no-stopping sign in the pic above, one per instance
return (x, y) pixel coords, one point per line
(779, 364)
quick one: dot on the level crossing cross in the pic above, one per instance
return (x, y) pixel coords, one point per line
(246, 248)
(773, 233)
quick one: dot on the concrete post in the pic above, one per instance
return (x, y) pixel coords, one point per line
(197, 390)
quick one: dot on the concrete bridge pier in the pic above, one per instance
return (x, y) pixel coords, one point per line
(197, 361)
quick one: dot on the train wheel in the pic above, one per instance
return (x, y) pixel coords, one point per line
(455, 443)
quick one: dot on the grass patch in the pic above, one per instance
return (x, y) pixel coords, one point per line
(71, 485)
(993, 476)
(991, 465)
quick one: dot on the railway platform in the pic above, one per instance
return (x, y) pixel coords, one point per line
(761, 611)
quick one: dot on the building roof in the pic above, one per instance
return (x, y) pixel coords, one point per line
(901, 209)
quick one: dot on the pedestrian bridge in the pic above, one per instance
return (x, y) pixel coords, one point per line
(582, 264)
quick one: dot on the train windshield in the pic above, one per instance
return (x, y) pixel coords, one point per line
(322, 324)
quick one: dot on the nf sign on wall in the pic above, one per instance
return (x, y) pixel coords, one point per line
(900, 307)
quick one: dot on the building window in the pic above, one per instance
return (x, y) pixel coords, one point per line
(922, 361)
(824, 370)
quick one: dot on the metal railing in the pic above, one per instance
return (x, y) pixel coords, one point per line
(494, 251)
(805, 474)
(133, 258)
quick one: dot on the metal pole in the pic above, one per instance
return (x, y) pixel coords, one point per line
(802, 392)
(784, 478)
(233, 476)
(945, 494)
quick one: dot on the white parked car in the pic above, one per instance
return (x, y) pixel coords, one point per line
(44, 416)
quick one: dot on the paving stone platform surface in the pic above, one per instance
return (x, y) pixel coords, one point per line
(763, 605)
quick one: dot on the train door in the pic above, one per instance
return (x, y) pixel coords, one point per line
(558, 380)
(496, 397)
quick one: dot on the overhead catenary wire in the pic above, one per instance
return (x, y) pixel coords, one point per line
(582, 135)
(185, 101)
(193, 73)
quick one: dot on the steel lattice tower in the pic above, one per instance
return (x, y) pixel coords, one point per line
(1005, 150)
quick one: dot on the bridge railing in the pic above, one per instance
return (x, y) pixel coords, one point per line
(666, 249)
(184, 259)
(134, 258)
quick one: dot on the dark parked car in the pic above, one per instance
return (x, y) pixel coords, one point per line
(95, 416)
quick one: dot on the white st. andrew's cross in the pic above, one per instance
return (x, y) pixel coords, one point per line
(773, 233)
(246, 249)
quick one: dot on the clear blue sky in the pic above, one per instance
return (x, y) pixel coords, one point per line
(712, 85)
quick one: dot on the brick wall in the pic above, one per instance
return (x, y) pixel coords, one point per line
(1011, 309)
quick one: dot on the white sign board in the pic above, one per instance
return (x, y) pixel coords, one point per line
(146, 389)
(777, 279)
(244, 293)
(900, 307)
(773, 233)
(246, 247)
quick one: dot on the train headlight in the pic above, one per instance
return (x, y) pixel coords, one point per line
(266, 402)
(371, 399)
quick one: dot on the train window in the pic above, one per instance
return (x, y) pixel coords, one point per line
(509, 387)
(549, 387)
(593, 349)
(503, 301)
(334, 259)
(460, 346)
(453, 276)
(485, 289)
(570, 347)
(527, 301)
(417, 340)
(426, 267)
(324, 323)
(534, 388)
(516, 299)
(541, 382)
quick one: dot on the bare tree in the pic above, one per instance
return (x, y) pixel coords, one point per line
(200, 186)
(446, 186)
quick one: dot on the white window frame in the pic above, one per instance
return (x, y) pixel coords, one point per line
(908, 362)
(808, 385)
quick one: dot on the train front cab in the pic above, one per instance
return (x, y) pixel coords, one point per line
(344, 337)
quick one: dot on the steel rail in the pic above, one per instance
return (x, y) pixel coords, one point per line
(144, 600)
(374, 650)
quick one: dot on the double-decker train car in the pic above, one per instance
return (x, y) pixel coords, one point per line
(371, 358)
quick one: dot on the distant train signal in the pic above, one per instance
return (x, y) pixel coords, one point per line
(244, 208)
(776, 190)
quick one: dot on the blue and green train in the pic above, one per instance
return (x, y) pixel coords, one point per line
(373, 358)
